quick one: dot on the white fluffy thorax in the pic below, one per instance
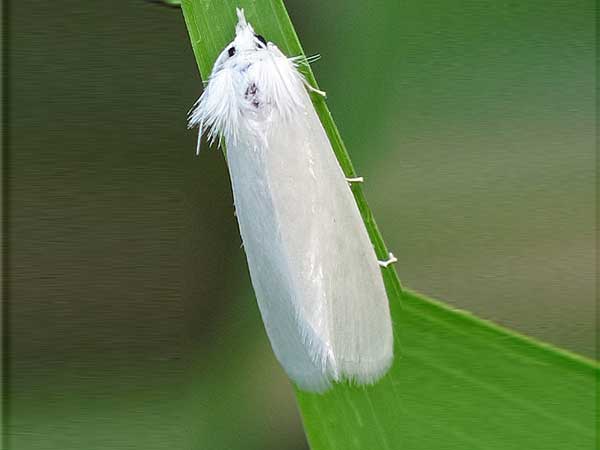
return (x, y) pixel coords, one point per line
(252, 85)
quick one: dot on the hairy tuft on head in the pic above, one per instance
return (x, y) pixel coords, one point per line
(252, 82)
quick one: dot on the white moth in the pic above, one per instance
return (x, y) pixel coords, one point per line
(314, 270)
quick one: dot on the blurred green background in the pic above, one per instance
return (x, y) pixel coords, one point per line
(133, 323)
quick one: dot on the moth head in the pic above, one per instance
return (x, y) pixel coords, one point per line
(247, 48)
(252, 82)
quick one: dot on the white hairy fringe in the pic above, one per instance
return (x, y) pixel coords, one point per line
(223, 111)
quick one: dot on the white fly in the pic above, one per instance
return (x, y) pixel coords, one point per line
(314, 270)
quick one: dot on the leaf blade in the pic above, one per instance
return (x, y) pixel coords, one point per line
(451, 369)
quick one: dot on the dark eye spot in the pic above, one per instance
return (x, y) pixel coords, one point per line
(261, 39)
(231, 51)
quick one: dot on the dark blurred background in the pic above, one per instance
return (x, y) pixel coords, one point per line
(132, 319)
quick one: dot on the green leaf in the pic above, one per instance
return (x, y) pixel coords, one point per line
(460, 383)
(457, 382)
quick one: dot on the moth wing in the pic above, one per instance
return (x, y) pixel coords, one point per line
(300, 349)
(313, 268)
(340, 295)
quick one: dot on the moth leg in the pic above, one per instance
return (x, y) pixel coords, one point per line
(355, 180)
(198, 143)
(315, 90)
(391, 259)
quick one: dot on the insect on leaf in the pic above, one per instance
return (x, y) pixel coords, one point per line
(457, 382)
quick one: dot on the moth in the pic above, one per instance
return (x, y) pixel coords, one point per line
(315, 273)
